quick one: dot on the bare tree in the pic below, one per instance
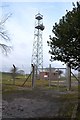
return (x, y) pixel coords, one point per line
(4, 35)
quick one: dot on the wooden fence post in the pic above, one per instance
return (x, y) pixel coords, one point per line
(68, 72)
(58, 80)
(78, 92)
(14, 74)
(49, 75)
(33, 76)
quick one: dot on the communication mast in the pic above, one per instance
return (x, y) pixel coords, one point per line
(37, 55)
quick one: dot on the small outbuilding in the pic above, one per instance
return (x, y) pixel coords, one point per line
(46, 74)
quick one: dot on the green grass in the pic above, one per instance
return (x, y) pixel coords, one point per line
(7, 88)
(7, 80)
(67, 109)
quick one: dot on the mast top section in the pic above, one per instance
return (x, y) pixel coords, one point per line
(38, 16)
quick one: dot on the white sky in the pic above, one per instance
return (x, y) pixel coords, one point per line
(20, 27)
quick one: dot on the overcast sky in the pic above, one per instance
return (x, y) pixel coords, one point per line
(20, 27)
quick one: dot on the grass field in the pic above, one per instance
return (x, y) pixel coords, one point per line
(20, 79)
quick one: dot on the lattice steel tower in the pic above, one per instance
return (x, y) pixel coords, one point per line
(37, 55)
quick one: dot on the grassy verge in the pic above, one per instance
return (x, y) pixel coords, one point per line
(78, 115)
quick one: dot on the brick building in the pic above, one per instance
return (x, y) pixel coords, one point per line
(44, 75)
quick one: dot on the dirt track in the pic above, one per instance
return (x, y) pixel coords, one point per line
(32, 104)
